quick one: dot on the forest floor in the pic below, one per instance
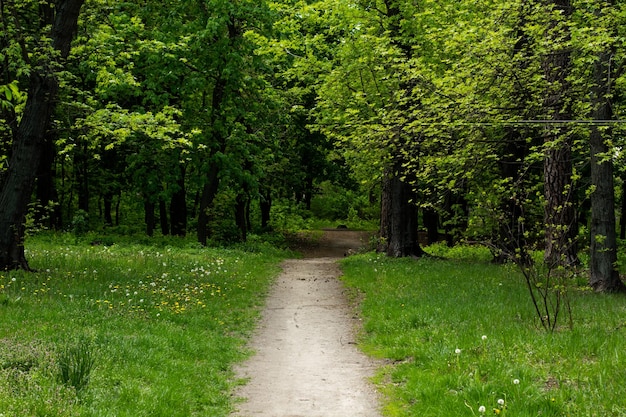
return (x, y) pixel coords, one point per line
(305, 362)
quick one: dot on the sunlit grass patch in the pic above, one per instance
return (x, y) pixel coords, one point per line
(460, 333)
(164, 327)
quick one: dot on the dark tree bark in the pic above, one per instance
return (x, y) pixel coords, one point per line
(178, 207)
(510, 240)
(399, 212)
(560, 214)
(622, 222)
(399, 218)
(431, 223)
(165, 226)
(29, 139)
(108, 208)
(241, 220)
(149, 217)
(604, 276)
(48, 211)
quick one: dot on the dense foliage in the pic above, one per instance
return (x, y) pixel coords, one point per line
(498, 120)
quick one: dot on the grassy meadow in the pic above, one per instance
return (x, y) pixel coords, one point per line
(127, 329)
(121, 328)
(459, 337)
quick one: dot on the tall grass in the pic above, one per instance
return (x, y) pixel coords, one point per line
(459, 334)
(127, 329)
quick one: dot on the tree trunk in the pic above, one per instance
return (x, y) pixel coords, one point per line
(431, 223)
(29, 140)
(178, 208)
(510, 239)
(622, 223)
(399, 218)
(209, 191)
(604, 276)
(560, 214)
(48, 211)
(108, 208)
(81, 169)
(165, 226)
(149, 217)
(265, 204)
(240, 215)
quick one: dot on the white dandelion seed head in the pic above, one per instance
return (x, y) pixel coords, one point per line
(516, 381)
(500, 401)
(482, 409)
(457, 351)
(484, 337)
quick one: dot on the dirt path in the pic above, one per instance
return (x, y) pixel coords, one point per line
(306, 363)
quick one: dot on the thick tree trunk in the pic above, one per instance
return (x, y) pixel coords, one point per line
(560, 214)
(29, 140)
(604, 276)
(399, 218)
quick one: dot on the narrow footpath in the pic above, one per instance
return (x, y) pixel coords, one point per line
(306, 363)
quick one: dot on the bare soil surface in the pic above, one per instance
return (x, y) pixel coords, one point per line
(306, 363)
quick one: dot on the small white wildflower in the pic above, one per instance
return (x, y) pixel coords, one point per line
(500, 401)
(457, 351)
(516, 381)
(484, 337)
(482, 409)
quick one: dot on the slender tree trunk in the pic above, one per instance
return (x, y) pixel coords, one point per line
(108, 208)
(240, 215)
(622, 222)
(149, 217)
(265, 204)
(48, 212)
(209, 191)
(81, 168)
(178, 207)
(431, 223)
(604, 276)
(165, 226)
(30, 138)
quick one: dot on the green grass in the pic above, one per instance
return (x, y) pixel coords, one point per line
(163, 325)
(426, 318)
